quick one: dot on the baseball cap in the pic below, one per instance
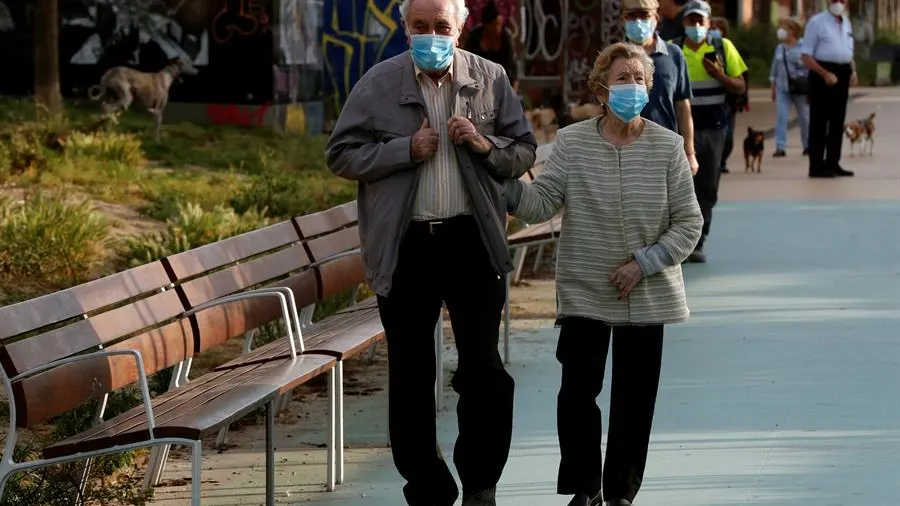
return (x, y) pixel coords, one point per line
(640, 5)
(697, 7)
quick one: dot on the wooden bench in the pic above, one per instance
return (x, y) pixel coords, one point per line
(331, 239)
(316, 257)
(116, 331)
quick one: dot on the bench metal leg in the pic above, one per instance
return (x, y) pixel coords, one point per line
(339, 422)
(537, 258)
(439, 362)
(196, 462)
(89, 463)
(270, 452)
(506, 322)
(519, 263)
(160, 454)
(329, 480)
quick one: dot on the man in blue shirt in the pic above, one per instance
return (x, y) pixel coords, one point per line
(670, 96)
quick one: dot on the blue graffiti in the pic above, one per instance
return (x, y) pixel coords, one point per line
(357, 34)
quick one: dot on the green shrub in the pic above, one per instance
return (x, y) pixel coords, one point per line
(48, 242)
(289, 194)
(109, 146)
(190, 228)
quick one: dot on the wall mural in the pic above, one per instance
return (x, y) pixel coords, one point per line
(355, 36)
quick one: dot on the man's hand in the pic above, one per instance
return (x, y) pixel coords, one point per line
(695, 166)
(854, 79)
(830, 79)
(626, 278)
(713, 69)
(773, 92)
(462, 131)
(424, 143)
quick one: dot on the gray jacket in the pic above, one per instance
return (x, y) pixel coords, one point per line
(370, 144)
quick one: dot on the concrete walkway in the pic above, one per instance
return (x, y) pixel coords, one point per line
(782, 390)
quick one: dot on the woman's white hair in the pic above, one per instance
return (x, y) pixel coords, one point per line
(462, 12)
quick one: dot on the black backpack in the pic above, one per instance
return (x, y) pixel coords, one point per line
(737, 102)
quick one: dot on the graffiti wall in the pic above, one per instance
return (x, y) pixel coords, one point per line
(355, 36)
(229, 41)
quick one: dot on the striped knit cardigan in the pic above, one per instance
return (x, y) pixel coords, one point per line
(617, 200)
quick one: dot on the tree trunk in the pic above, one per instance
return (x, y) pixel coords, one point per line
(46, 57)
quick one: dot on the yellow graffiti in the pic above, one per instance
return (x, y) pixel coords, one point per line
(348, 41)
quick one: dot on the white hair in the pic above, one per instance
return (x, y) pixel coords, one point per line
(462, 12)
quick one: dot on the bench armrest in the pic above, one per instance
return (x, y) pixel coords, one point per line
(142, 377)
(279, 292)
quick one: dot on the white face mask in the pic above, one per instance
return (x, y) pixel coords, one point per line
(781, 33)
(836, 9)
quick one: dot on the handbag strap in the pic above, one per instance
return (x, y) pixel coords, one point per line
(787, 71)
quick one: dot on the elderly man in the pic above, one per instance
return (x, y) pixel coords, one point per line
(431, 136)
(827, 50)
(670, 96)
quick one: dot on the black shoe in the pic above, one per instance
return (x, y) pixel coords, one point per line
(725, 170)
(585, 500)
(805, 152)
(779, 153)
(480, 498)
(619, 502)
(840, 172)
(696, 257)
(820, 175)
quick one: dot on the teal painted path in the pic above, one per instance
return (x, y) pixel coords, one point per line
(782, 390)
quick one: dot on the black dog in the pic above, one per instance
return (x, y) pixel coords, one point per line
(753, 150)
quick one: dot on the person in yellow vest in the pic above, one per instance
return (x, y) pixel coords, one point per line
(715, 69)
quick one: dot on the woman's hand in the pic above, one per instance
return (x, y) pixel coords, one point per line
(626, 278)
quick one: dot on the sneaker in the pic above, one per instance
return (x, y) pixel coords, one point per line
(779, 153)
(805, 152)
(725, 170)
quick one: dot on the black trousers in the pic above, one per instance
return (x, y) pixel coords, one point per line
(729, 138)
(446, 263)
(827, 111)
(709, 144)
(637, 359)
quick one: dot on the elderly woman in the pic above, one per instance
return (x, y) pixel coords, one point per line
(787, 68)
(630, 218)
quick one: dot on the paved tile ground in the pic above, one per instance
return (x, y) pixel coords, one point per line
(781, 390)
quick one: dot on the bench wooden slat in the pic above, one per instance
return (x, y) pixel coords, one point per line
(221, 323)
(326, 221)
(21, 356)
(38, 398)
(362, 328)
(66, 304)
(201, 407)
(336, 276)
(545, 230)
(329, 245)
(242, 276)
(218, 254)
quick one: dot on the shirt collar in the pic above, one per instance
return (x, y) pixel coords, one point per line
(447, 76)
(661, 47)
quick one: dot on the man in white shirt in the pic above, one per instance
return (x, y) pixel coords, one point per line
(828, 52)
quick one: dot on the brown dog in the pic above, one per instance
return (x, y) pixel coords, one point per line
(120, 86)
(754, 146)
(861, 131)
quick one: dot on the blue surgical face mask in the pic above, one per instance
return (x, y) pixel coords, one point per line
(431, 53)
(627, 101)
(639, 30)
(715, 33)
(696, 33)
